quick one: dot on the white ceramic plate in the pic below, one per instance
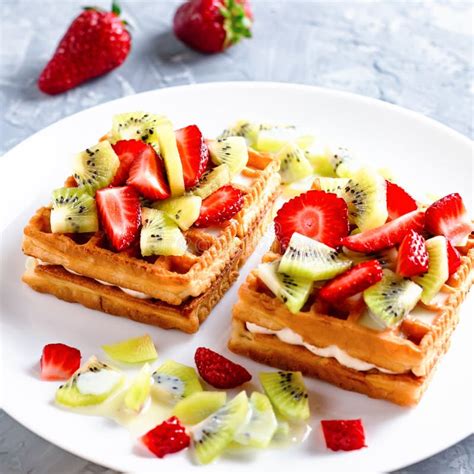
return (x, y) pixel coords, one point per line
(427, 157)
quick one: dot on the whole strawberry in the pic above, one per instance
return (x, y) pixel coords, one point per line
(210, 26)
(95, 43)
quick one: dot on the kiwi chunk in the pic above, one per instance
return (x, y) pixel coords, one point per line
(211, 181)
(89, 385)
(198, 406)
(293, 291)
(160, 235)
(73, 210)
(307, 258)
(319, 156)
(293, 164)
(387, 258)
(139, 390)
(272, 138)
(230, 151)
(331, 185)
(132, 351)
(176, 380)
(242, 128)
(344, 163)
(184, 210)
(95, 167)
(392, 298)
(212, 436)
(288, 394)
(438, 269)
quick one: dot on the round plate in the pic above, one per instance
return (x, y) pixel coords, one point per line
(426, 157)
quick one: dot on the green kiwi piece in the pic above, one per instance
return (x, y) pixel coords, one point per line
(73, 210)
(132, 351)
(198, 406)
(293, 164)
(211, 181)
(392, 298)
(95, 167)
(331, 185)
(242, 128)
(319, 155)
(230, 151)
(272, 138)
(307, 258)
(212, 436)
(344, 163)
(438, 269)
(176, 380)
(160, 235)
(184, 210)
(293, 291)
(288, 394)
(139, 390)
(91, 384)
(387, 258)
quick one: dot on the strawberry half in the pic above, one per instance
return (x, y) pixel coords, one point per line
(220, 206)
(353, 281)
(412, 255)
(127, 151)
(399, 202)
(59, 361)
(147, 175)
(120, 215)
(343, 435)
(167, 438)
(218, 371)
(316, 214)
(387, 235)
(454, 258)
(193, 153)
(448, 217)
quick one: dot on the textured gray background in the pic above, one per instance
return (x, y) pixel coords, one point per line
(418, 55)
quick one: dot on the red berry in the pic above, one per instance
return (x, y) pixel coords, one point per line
(59, 361)
(454, 258)
(127, 151)
(167, 438)
(218, 371)
(345, 435)
(399, 202)
(412, 255)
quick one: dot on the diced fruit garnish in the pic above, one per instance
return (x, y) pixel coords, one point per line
(454, 258)
(331, 185)
(412, 255)
(273, 138)
(293, 164)
(59, 361)
(219, 371)
(308, 258)
(353, 281)
(387, 235)
(220, 206)
(176, 380)
(211, 181)
(193, 153)
(139, 390)
(90, 385)
(230, 151)
(387, 258)
(438, 268)
(448, 217)
(132, 351)
(74, 210)
(242, 128)
(160, 235)
(288, 394)
(120, 215)
(344, 163)
(293, 291)
(184, 210)
(316, 214)
(343, 435)
(212, 436)
(127, 151)
(198, 406)
(392, 298)
(399, 202)
(319, 156)
(95, 167)
(167, 438)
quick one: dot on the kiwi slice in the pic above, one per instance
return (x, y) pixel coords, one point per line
(293, 164)
(160, 235)
(90, 385)
(176, 380)
(95, 167)
(242, 128)
(73, 210)
(344, 163)
(198, 406)
(288, 394)
(211, 181)
(293, 291)
(392, 298)
(132, 351)
(438, 269)
(331, 185)
(272, 138)
(262, 424)
(319, 156)
(230, 151)
(184, 210)
(216, 432)
(387, 258)
(365, 194)
(307, 258)
(139, 390)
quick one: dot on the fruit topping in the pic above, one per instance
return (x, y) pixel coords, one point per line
(331, 185)
(59, 361)
(343, 435)
(399, 202)
(454, 258)
(230, 151)
(139, 390)
(167, 438)
(242, 128)
(412, 255)
(319, 155)
(198, 406)
(132, 351)
(127, 151)
(184, 210)
(219, 371)
(387, 258)
(211, 181)
(176, 380)
(272, 138)
(293, 164)
(343, 162)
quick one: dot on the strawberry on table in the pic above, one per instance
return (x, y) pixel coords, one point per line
(59, 361)
(345, 435)
(454, 258)
(167, 438)
(220, 206)
(399, 202)
(127, 151)
(412, 255)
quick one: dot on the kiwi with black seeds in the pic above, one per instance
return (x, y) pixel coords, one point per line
(211, 181)
(184, 210)
(293, 164)
(231, 151)
(331, 185)
(344, 163)
(242, 128)
(176, 380)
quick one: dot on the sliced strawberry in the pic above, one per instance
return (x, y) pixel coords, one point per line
(220, 206)
(412, 255)
(454, 258)
(193, 153)
(218, 371)
(399, 202)
(448, 217)
(120, 215)
(167, 438)
(59, 361)
(316, 214)
(127, 151)
(353, 281)
(147, 176)
(387, 235)
(345, 435)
